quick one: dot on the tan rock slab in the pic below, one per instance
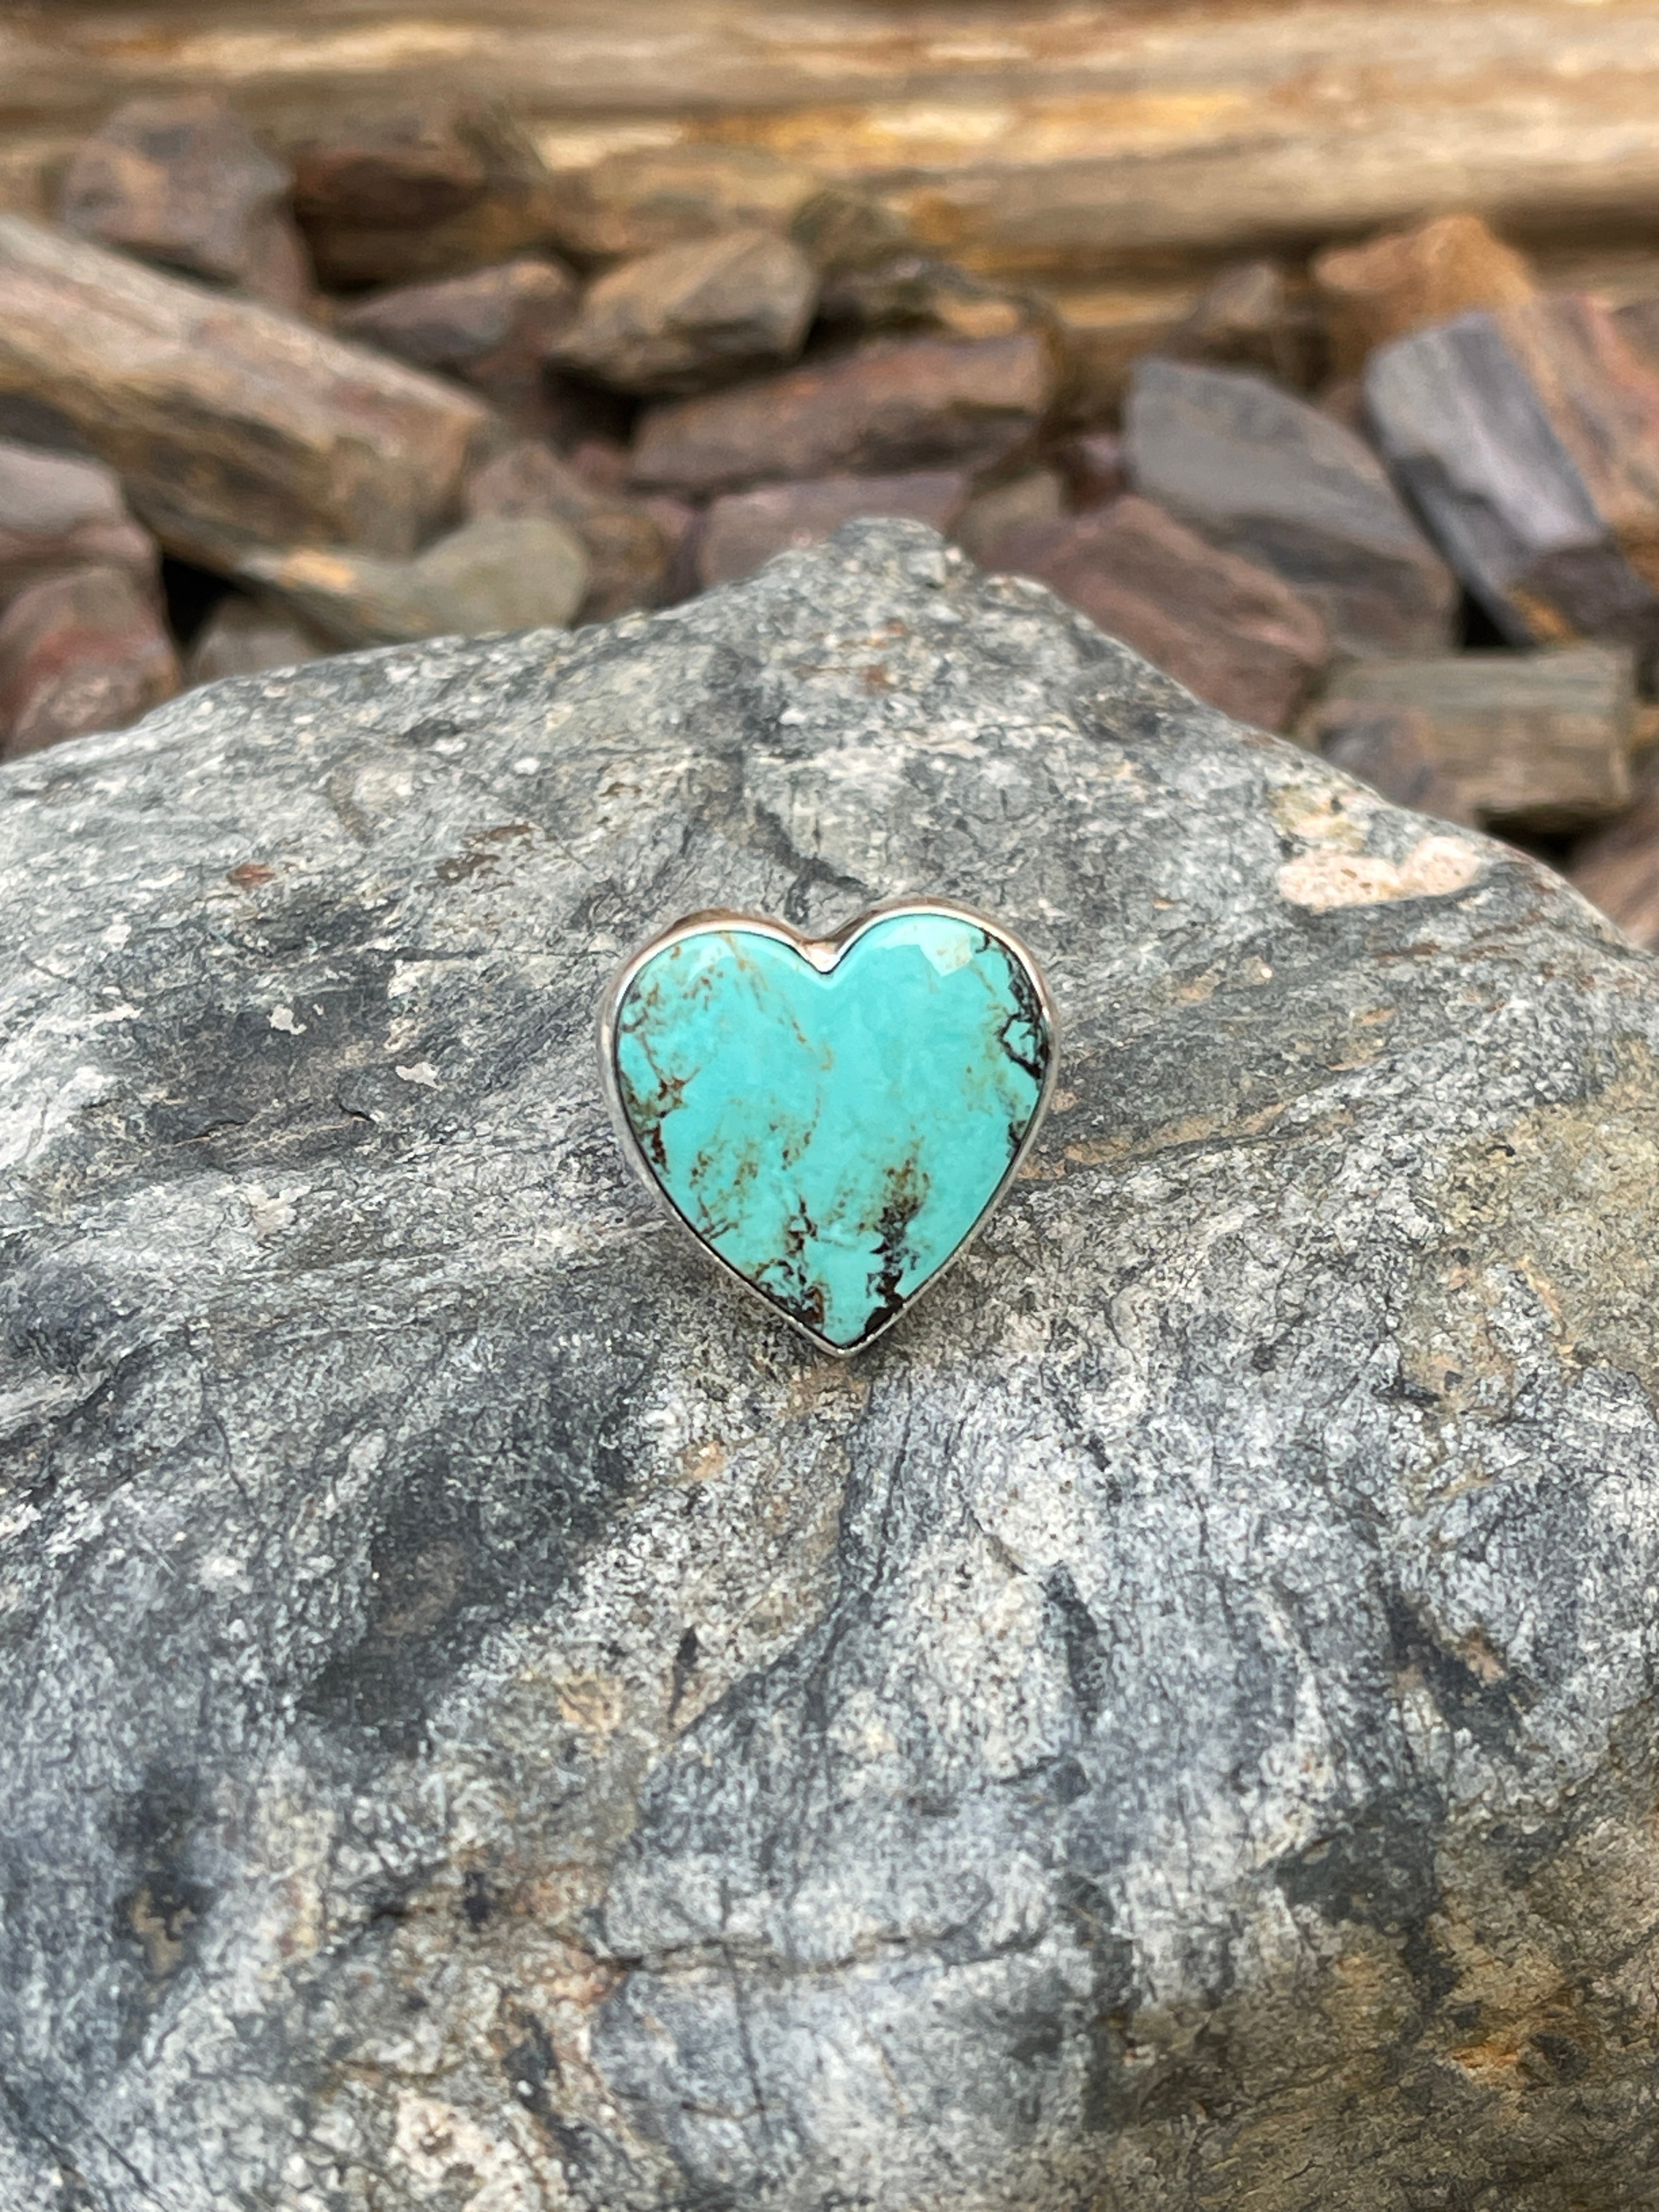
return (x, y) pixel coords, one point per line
(1535, 741)
(227, 424)
(81, 652)
(890, 405)
(1406, 280)
(1036, 138)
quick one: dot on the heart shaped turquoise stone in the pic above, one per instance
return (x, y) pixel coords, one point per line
(835, 1137)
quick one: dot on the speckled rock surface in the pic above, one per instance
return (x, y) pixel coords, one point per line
(492, 1722)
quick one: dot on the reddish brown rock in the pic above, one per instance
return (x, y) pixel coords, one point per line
(1617, 870)
(746, 529)
(409, 193)
(227, 424)
(695, 316)
(1232, 632)
(1529, 439)
(59, 511)
(630, 203)
(495, 330)
(1536, 741)
(80, 652)
(1408, 280)
(629, 549)
(893, 405)
(184, 183)
(1393, 749)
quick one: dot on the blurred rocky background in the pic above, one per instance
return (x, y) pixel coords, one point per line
(1314, 351)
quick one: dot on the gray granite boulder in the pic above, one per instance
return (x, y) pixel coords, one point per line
(492, 1721)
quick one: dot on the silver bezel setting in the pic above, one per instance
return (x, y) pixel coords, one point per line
(825, 954)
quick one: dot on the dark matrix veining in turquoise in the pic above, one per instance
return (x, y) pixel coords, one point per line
(835, 1137)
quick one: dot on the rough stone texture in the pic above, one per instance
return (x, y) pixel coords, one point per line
(183, 183)
(59, 512)
(1258, 472)
(1529, 439)
(1540, 741)
(1238, 636)
(894, 404)
(85, 650)
(227, 421)
(489, 1720)
(495, 573)
(1408, 280)
(494, 328)
(695, 316)
(402, 192)
(748, 527)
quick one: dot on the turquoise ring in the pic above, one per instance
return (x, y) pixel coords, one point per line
(834, 1118)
